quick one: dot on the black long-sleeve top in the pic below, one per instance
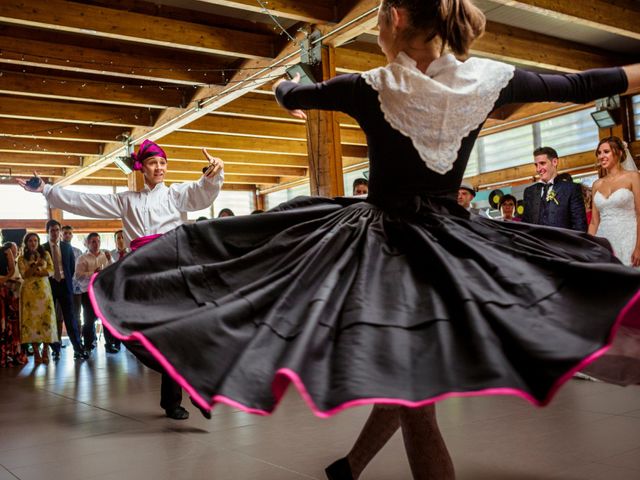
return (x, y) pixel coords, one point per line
(396, 169)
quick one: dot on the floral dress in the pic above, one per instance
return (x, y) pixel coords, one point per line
(37, 310)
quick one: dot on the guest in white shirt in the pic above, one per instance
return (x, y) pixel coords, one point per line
(151, 212)
(92, 262)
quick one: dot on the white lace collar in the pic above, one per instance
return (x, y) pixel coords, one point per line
(437, 109)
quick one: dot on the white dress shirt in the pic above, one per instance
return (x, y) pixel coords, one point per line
(143, 213)
(86, 266)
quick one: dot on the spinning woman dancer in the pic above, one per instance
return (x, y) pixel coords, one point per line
(399, 300)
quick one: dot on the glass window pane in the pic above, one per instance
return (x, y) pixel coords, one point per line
(17, 203)
(473, 167)
(294, 192)
(508, 149)
(572, 133)
(274, 199)
(241, 203)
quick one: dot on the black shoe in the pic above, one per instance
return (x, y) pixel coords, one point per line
(111, 349)
(339, 470)
(205, 413)
(177, 413)
(80, 355)
(55, 356)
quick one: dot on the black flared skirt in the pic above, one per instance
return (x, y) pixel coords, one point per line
(356, 304)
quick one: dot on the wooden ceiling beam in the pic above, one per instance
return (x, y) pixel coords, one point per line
(311, 11)
(511, 44)
(255, 105)
(75, 112)
(235, 143)
(229, 168)
(11, 159)
(104, 22)
(360, 18)
(620, 18)
(222, 125)
(48, 147)
(14, 128)
(105, 174)
(74, 89)
(237, 158)
(73, 58)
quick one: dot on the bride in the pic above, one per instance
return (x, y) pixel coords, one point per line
(616, 201)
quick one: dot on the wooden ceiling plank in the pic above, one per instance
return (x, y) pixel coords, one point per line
(311, 11)
(231, 168)
(238, 158)
(75, 58)
(135, 27)
(254, 105)
(37, 161)
(620, 19)
(511, 44)
(75, 112)
(61, 88)
(57, 131)
(48, 147)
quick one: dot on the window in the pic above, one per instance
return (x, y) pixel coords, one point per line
(241, 203)
(473, 167)
(572, 133)
(507, 149)
(85, 189)
(274, 199)
(17, 203)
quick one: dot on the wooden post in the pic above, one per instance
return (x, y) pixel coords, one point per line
(135, 181)
(259, 200)
(323, 139)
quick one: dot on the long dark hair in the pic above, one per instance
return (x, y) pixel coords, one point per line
(457, 22)
(25, 249)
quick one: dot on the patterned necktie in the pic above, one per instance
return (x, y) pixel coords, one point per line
(55, 250)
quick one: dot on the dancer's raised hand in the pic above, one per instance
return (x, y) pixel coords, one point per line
(215, 165)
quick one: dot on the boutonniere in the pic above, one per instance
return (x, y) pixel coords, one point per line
(552, 197)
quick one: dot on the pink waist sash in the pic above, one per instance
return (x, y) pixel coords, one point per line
(139, 242)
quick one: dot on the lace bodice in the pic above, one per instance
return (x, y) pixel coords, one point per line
(618, 222)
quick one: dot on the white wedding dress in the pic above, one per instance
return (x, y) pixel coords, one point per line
(618, 222)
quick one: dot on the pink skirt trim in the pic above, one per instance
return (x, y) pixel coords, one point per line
(629, 315)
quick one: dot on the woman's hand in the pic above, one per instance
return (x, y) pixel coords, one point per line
(24, 184)
(299, 114)
(635, 257)
(215, 165)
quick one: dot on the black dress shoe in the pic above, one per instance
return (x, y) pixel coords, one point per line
(177, 413)
(339, 470)
(55, 356)
(80, 355)
(205, 413)
(111, 349)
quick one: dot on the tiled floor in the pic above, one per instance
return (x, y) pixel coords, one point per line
(100, 420)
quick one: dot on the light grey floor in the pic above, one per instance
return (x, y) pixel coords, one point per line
(100, 420)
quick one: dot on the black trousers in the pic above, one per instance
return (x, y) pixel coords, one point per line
(89, 325)
(64, 298)
(170, 391)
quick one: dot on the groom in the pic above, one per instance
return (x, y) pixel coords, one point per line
(550, 202)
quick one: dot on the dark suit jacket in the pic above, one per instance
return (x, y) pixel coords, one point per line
(569, 212)
(68, 262)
